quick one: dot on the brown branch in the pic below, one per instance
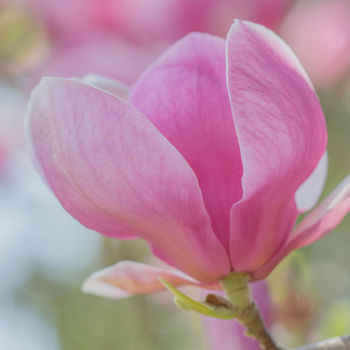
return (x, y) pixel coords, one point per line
(339, 343)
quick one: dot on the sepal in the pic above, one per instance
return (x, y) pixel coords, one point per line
(223, 310)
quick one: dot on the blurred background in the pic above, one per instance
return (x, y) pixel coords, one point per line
(45, 254)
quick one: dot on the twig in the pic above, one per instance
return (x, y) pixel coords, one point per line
(339, 343)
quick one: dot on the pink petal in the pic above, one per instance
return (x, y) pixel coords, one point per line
(128, 277)
(229, 334)
(282, 136)
(318, 32)
(110, 85)
(114, 172)
(310, 191)
(324, 218)
(184, 94)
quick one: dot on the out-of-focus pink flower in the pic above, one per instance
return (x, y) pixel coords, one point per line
(318, 31)
(228, 335)
(138, 21)
(266, 12)
(209, 159)
(149, 21)
(101, 54)
(119, 37)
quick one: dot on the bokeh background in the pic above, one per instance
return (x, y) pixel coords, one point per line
(45, 254)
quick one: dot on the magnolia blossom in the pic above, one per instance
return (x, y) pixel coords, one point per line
(208, 157)
(228, 335)
(318, 32)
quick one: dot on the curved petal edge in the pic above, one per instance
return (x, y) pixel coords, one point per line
(320, 221)
(127, 278)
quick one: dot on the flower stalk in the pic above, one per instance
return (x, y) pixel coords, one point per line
(247, 312)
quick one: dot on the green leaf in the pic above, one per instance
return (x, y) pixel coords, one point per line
(189, 304)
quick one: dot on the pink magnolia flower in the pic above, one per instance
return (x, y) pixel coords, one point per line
(318, 31)
(209, 159)
(228, 335)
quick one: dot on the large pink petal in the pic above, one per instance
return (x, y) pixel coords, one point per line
(229, 334)
(282, 136)
(113, 171)
(315, 225)
(184, 94)
(129, 277)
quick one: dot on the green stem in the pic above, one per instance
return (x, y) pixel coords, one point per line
(237, 290)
